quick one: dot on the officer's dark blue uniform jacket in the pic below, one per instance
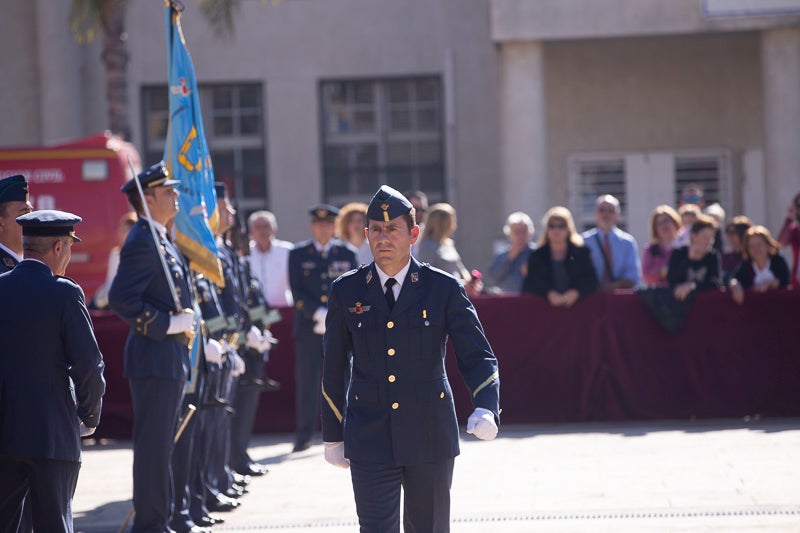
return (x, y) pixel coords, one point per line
(311, 275)
(47, 339)
(399, 409)
(141, 296)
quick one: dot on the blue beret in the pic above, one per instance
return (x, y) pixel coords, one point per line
(155, 176)
(14, 189)
(388, 204)
(49, 223)
(321, 212)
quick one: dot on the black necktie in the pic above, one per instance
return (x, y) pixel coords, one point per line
(389, 292)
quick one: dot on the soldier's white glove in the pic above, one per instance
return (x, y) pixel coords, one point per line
(334, 454)
(481, 424)
(319, 320)
(182, 322)
(213, 352)
(85, 430)
(269, 340)
(238, 365)
(254, 339)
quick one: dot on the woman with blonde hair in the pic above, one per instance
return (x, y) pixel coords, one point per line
(350, 226)
(762, 267)
(437, 247)
(560, 269)
(664, 226)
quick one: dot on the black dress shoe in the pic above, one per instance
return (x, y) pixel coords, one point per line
(253, 469)
(240, 479)
(222, 504)
(301, 446)
(208, 521)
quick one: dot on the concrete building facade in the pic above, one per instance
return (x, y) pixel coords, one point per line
(490, 105)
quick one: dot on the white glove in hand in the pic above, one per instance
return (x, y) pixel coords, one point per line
(238, 365)
(334, 454)
(254, 338)
(213, 352)
(481, 424)
(182, 322)
(319, 320)
(84, 430)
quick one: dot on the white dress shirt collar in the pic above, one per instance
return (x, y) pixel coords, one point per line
(399, 277)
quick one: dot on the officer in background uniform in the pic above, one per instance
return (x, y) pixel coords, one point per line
(51, 377)
(157, 348)
(14, 202)
(313, 265)
(396, 424)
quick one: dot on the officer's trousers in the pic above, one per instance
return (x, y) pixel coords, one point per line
(307, 376)
(426, 491)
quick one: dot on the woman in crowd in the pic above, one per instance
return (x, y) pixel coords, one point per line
(437, 247)
(664, 226)
(350, 227)
(790, 234)
(560, 269)
(688, 214)
(696, 266)
(734, 234)
(762, 267)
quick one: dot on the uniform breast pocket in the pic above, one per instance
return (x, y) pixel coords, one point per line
(426, 335)
(362, 329)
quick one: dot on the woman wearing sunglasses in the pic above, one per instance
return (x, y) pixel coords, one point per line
(560, 269)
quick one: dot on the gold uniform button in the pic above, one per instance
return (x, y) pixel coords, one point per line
(392, 379)
(390, 324)
(390, 351)
(395, 405)
(441, 395)
(323, 298)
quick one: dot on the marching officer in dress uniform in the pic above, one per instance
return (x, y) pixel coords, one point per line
(396, 424)
(157, 348)
(51, 377)
(313, 265)
(14, 202)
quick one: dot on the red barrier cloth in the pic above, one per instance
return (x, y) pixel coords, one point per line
(604, 359)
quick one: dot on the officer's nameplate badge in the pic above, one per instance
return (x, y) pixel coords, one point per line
(358, 309)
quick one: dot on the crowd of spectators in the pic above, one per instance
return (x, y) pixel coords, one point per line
(692, 247)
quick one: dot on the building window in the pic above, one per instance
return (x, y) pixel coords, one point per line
(703, 170)
(382, 131)
(233, 118)
(592, 177)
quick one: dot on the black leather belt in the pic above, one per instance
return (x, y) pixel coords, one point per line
(181, 338)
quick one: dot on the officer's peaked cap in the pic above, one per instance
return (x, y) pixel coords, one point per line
(387, 204)
(14, 189)
(154, 176)
(323, 212)
(49, 223)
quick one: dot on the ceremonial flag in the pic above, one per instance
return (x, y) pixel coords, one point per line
(188, 160)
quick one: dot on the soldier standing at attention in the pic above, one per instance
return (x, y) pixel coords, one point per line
(313, 265)
(14, 202)
(157, 348)
(51, 377)
(396, 425)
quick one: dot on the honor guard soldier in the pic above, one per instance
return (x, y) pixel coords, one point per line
(313, 265)
(14, 202)
(51, 376)
(157, 348)
(395, 426)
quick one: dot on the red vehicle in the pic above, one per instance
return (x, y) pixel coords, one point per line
(82, 177)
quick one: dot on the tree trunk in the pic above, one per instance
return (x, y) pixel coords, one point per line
(115, 59)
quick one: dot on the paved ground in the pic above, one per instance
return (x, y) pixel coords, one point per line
(711, 476)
